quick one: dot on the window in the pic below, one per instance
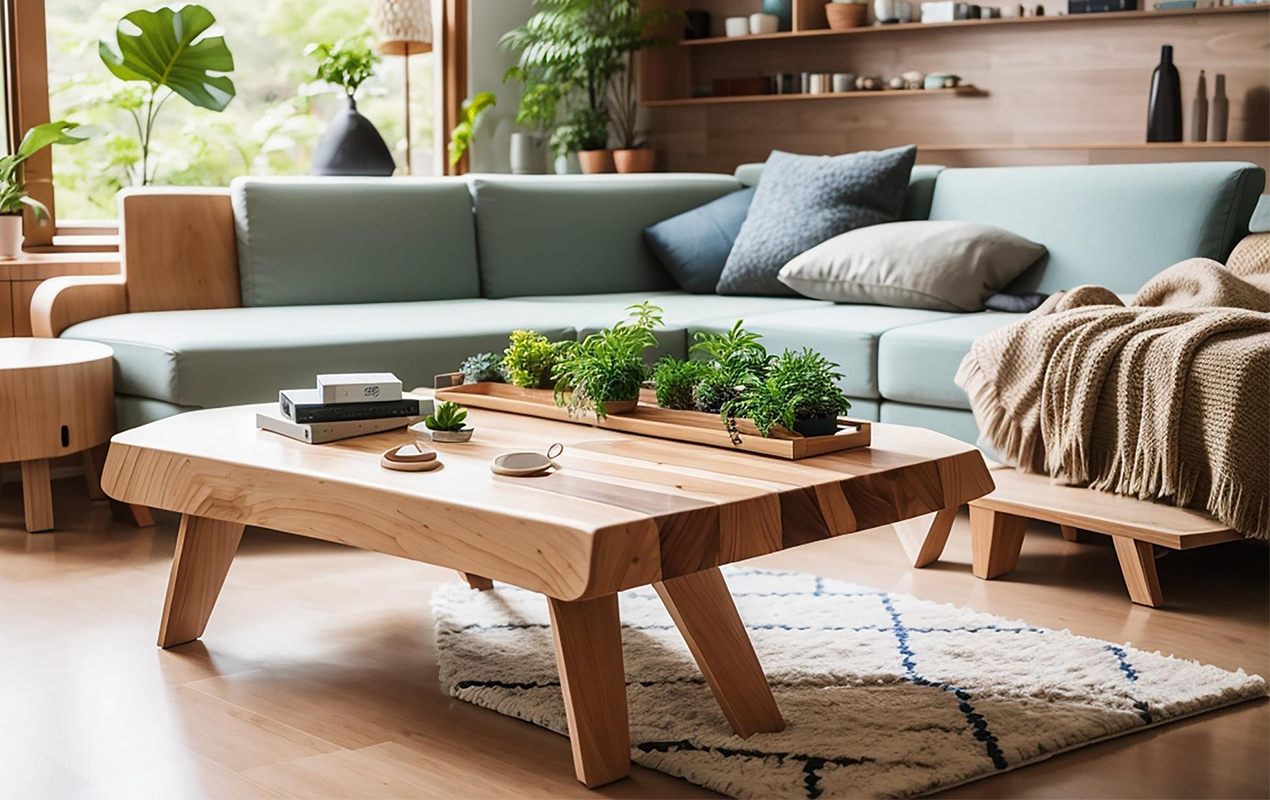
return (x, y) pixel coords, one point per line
(271, 126)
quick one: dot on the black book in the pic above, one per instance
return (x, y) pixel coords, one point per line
(305, 405)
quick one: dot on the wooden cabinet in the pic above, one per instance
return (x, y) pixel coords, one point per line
(19, 278)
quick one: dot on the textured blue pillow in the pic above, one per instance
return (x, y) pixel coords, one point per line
(694, 245)
(803, 201)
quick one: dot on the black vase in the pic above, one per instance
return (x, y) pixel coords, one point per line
(1164, 113)
(352, 146)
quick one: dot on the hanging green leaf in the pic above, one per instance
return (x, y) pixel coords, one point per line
(163, 47)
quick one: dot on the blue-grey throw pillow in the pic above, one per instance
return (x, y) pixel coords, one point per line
(803, 201)
(694, 246)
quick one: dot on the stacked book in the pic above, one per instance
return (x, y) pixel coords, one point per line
(342, 406)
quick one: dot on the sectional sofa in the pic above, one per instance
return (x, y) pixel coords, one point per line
(229, 296)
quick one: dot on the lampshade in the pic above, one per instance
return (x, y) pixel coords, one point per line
(403, 27)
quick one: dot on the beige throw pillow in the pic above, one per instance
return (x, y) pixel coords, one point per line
(940, 265)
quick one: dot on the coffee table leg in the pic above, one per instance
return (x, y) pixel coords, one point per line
(204, 550)
(37, 495)
(94, 458)
(131, 514)
(478, 582)
(588, 638)
(702, 608)
(923, 538)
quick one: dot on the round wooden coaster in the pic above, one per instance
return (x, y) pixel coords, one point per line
(409, 458)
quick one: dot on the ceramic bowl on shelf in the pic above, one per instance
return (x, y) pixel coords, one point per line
(764, 23)
(734, 27)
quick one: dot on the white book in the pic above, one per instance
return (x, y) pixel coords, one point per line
(359, 387)
(323, 432)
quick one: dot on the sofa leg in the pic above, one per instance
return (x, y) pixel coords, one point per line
(923, 538)
(1137, 562)
(995, 541)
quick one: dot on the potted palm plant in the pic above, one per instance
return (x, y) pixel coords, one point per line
(13, 195)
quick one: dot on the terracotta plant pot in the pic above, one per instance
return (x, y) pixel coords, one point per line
(621, 406)
(10, 235)
(846, 15)
(596, 162)
(639, 159)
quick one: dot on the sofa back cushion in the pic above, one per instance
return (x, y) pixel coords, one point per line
(314, 241)
(1112, 225)
(921, 185)
(579, 234)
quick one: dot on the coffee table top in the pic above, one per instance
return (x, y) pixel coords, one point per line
(625, 510)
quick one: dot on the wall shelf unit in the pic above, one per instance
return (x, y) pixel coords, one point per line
(780, 98)
(908, 27)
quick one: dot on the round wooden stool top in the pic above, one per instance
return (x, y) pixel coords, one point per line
(57, 397)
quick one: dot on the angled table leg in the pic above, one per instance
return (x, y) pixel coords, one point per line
(204, 550)
(131, 514)
(1070, 533)
(588, 639)
(702, 608)
(478, 582)
(37, 495)
(923, 538)
(1137, 562)
(995, 541)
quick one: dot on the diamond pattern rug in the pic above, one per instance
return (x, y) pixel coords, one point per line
(884, 695)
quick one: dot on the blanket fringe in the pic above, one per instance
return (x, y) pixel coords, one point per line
(1017, 444)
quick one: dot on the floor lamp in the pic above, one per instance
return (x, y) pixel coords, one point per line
(404, 28)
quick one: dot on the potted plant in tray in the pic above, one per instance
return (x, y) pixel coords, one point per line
(529, 359)
(13, 195)
(604, 372)
(800, 393)
(446, 423)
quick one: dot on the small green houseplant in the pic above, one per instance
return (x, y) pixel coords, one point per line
(13, 194)
(483, 368)
(736, 358)
(603, 373)
(799, 392)
(446, 422)
(168, 49)
(529, 359)
(351, 145)
(461, 136)
(347, 64)
(676, 381)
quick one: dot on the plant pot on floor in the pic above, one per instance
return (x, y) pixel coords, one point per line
(529, 154)
(352, 146)
(826, 426)
(596, 162)
(638, 159)
(10, 235)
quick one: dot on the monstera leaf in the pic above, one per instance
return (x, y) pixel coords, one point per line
(162, 47)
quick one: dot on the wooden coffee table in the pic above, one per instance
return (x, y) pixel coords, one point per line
(624, 511)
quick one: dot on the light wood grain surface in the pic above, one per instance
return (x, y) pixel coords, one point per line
(625, 510)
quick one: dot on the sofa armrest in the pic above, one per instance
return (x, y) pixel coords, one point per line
(59, 303)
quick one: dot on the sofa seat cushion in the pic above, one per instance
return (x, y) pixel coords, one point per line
(916, 364)
(845, 334)
(227, 356)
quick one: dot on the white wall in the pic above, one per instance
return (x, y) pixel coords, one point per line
(488, 20)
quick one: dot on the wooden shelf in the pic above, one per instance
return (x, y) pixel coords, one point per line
(967, 23)
(778, 98)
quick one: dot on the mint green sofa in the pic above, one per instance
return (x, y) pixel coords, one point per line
(412, 275)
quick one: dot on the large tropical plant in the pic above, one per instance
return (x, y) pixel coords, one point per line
(13, 196)
(169, 49)
(461, 136)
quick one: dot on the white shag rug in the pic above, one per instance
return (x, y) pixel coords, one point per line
(883, 695)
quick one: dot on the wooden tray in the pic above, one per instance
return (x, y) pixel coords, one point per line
(650, 419)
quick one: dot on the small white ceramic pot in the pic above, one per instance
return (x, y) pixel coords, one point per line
(843, 82)
(764, 23)
(529, 154)
(10, 235)
(452, 437)
(736, 26)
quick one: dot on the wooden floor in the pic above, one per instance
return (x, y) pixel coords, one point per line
(317, 675)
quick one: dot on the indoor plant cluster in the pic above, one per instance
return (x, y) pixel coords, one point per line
(577, 65)
(730, 374)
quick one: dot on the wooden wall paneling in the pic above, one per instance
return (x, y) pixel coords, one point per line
(22, 293)
(809, 15)
(664, 72)
(178, 249)
(1082, 82)
(6, 308)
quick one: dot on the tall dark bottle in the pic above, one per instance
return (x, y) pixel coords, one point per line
(1164, 114)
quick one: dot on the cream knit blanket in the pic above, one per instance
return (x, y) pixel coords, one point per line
(1165, 399)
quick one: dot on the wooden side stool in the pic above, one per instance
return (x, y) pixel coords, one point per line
(999, 520)
(57, 397)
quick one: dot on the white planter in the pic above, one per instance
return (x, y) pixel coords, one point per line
(529, 154)
(568, 165)
(10, 235)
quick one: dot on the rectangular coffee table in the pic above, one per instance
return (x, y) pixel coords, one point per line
(624, 511)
